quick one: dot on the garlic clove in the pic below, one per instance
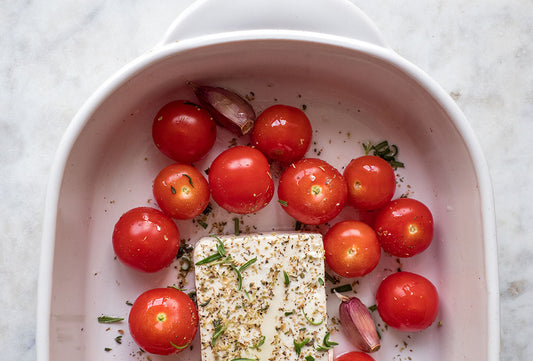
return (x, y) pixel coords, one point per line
(357, 324)
(229, 109)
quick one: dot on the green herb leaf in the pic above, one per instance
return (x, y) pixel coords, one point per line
(283, 203)
(309, 358)
(186, 264)
(259, 343)
(190, 179)
(109, 319)
(372, 308)
(173, 190)
(219, 330)
(247, 264)
(286, 278)
(384, 151)
(321, 281)
(247, 295)
(207, 209)
(180, 347)
(220, 246)
(298, 345)
(239, 276)
(330, 278)
(202, 223)
(323, 348)
(224, 260)
(205, 303)
(118, 339)
(343, 288)
(312, 322)
(327, 342)
(209, 259)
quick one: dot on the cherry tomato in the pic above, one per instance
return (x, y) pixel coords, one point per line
(240, 180)
(404, 227)
(163, 321)
(146, 239)
(371, 182)
(352, 248)
(183, 131)
(282, 133)
(181, 191)
(312, 191)
(407, 301)
(354, 356)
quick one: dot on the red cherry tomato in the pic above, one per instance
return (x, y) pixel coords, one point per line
(371, 182)
(163, 321)
(183, 131)
(352, 248)
(404, 227)
(181, 191)
(312, 191)
(146, 239)
(354, 356)
(282, 133)
(240, 180)
(407, 301)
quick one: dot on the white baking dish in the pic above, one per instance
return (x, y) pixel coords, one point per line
(325, 55)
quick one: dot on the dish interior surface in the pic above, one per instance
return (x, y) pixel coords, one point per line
(351, 98)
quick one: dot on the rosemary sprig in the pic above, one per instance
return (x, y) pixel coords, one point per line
(384, 151)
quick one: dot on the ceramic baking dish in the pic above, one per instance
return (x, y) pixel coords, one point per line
(326, 57)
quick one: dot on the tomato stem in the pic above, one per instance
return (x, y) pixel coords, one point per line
(161, 317)
(316, 190)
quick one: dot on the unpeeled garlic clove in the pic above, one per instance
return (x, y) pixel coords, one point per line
(357, 324)
(228, 109)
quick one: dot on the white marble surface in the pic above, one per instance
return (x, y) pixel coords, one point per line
(56, 53)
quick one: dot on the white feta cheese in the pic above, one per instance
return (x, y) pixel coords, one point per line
(273, 309)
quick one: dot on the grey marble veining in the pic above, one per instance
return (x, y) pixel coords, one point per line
(56, 53)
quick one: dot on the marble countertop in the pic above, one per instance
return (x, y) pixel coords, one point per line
(56, 53)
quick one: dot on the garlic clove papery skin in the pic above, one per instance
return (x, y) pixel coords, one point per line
(229, 109)
(358, 325)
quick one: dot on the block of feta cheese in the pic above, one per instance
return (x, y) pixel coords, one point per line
(262, 297)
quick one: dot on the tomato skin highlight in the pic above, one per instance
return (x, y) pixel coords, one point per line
(183, 131)
(240, 180)
(354, 356)
(146, 239)
(181, 191)
(404, 227)
(312, 191)
(352, 249)
(282, 133)
(407, 301)
(161, 317)
(371, 182)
